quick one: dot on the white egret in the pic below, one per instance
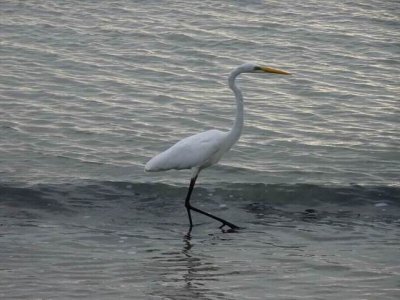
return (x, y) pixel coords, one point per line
(204, 149)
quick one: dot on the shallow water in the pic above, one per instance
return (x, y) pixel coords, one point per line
(103, 240)
(90, 90)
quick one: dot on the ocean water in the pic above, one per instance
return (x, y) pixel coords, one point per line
(91, 90)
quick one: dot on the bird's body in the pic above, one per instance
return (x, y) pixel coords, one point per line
(204, 149)
(197, 151)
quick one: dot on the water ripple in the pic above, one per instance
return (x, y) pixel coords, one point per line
(114, 83)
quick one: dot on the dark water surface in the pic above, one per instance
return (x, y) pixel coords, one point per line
(117, 240)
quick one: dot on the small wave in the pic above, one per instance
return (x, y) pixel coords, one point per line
(63, 196)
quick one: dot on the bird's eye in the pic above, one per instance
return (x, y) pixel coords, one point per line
(257, 68)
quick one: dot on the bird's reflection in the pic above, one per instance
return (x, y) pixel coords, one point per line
(198, 272)
(187, 272)
(187, 244)
(191, 263)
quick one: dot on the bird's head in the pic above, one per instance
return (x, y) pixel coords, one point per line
(255, 68)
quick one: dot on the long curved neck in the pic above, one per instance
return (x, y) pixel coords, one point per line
(236, 130)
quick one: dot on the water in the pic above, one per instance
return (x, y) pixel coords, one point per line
(90, 90)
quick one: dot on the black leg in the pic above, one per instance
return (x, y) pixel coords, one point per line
(224, 222)
(190, 207)
(187, 202)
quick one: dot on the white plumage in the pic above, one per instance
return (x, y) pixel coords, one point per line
(197, 151)
(204, 149)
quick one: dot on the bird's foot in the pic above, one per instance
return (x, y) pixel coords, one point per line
(232, 227)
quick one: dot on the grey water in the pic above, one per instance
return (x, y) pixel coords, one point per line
(91, 90)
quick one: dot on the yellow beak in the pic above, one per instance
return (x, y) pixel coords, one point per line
(276, 71)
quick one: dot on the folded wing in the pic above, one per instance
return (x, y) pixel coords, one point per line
(199, 150)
